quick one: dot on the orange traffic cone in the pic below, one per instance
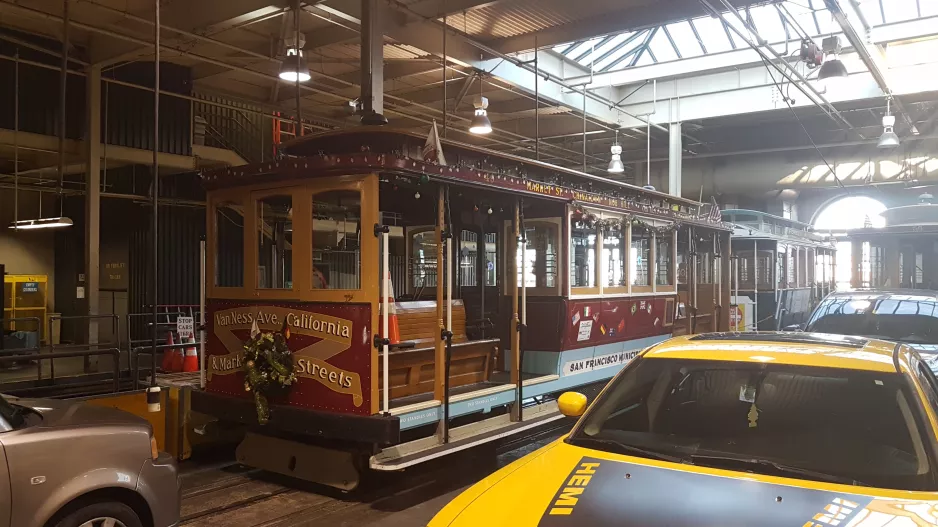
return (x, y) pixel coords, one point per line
(167, 364)
(191, 361)
(394, 328)
(178, 358)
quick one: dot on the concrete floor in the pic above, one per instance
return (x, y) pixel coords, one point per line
(221, 493)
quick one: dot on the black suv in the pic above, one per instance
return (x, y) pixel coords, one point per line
(909, 316)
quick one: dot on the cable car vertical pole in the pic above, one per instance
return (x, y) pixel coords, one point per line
(515, 342)
(522, 328)
(448, 331)
(385, 310)
(755, 284)
(153, 392)
(202, 313)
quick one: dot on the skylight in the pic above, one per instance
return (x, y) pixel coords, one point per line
(707, 35)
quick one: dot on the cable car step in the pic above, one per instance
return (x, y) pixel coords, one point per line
(405, 455)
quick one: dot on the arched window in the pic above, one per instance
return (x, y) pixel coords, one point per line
(851, 212)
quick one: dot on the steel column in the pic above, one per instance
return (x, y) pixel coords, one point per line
(93, 199)
(675, 160)
(372, 55)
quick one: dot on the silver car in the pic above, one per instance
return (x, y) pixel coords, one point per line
(75, 465)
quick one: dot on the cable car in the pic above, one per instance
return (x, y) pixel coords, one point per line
(781, 270)
(513, 281)
(903, 254)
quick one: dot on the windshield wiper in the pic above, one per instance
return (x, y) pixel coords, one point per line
(731, 462)
(625, 448)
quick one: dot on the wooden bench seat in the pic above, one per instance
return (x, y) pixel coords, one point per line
(412, 370)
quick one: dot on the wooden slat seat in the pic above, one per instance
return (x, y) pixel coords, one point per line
(412, 370)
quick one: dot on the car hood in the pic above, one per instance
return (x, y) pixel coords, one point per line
(56, 414)
(565, 485)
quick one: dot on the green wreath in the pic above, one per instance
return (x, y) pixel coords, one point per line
(268, 367)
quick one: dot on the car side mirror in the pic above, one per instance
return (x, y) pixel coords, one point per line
(572, 404)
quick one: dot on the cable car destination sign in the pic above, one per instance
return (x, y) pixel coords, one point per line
(324, 351)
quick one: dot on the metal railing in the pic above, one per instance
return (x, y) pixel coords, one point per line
(134, 344)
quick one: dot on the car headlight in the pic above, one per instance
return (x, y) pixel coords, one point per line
(154, 450)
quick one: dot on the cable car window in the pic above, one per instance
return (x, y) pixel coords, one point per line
(337, 240)
(275, 242)
(468, 258)
(640, 256)
(423, 260)
(229, 244)
(582, 255)
(541, 255)
(614, 255)
(791, 273)
(781, 267)
(663, 259)
(491, 258)
(705, 264)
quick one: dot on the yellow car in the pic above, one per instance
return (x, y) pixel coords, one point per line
(788, 429)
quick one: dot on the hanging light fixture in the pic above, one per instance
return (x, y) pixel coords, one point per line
(480, 123)
(833, 69)
(41, 223)
(889, 139)
(615, 164)
(295, 61)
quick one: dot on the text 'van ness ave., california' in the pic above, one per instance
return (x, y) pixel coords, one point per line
(307, 321)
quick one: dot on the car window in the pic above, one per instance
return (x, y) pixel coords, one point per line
(902, 319)
(827, 424)
(926, 379)
(11, 416)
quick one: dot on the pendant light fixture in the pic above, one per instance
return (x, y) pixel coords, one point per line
(833, 69)
(480, 123)
(615, 164)
(294, 64)
(889, 139)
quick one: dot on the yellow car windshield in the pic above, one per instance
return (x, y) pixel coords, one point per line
(825, 424)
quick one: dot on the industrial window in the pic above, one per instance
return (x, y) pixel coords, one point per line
(337, 235)
(582, 255)
(663, 259)
(275, 242)
(229, 244)
(640, 256)
(614, 240)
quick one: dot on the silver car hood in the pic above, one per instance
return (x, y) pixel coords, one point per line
(62, 414)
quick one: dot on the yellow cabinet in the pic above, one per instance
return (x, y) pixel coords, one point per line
(25, 297)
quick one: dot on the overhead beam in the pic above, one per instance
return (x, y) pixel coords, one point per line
(871, 59)
(402, 24)
(183, 36)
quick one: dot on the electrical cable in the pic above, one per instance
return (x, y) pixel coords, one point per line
(803, 128)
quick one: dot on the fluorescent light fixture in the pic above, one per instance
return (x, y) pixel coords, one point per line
(480, 123)
(615, 165)
(41, 223)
